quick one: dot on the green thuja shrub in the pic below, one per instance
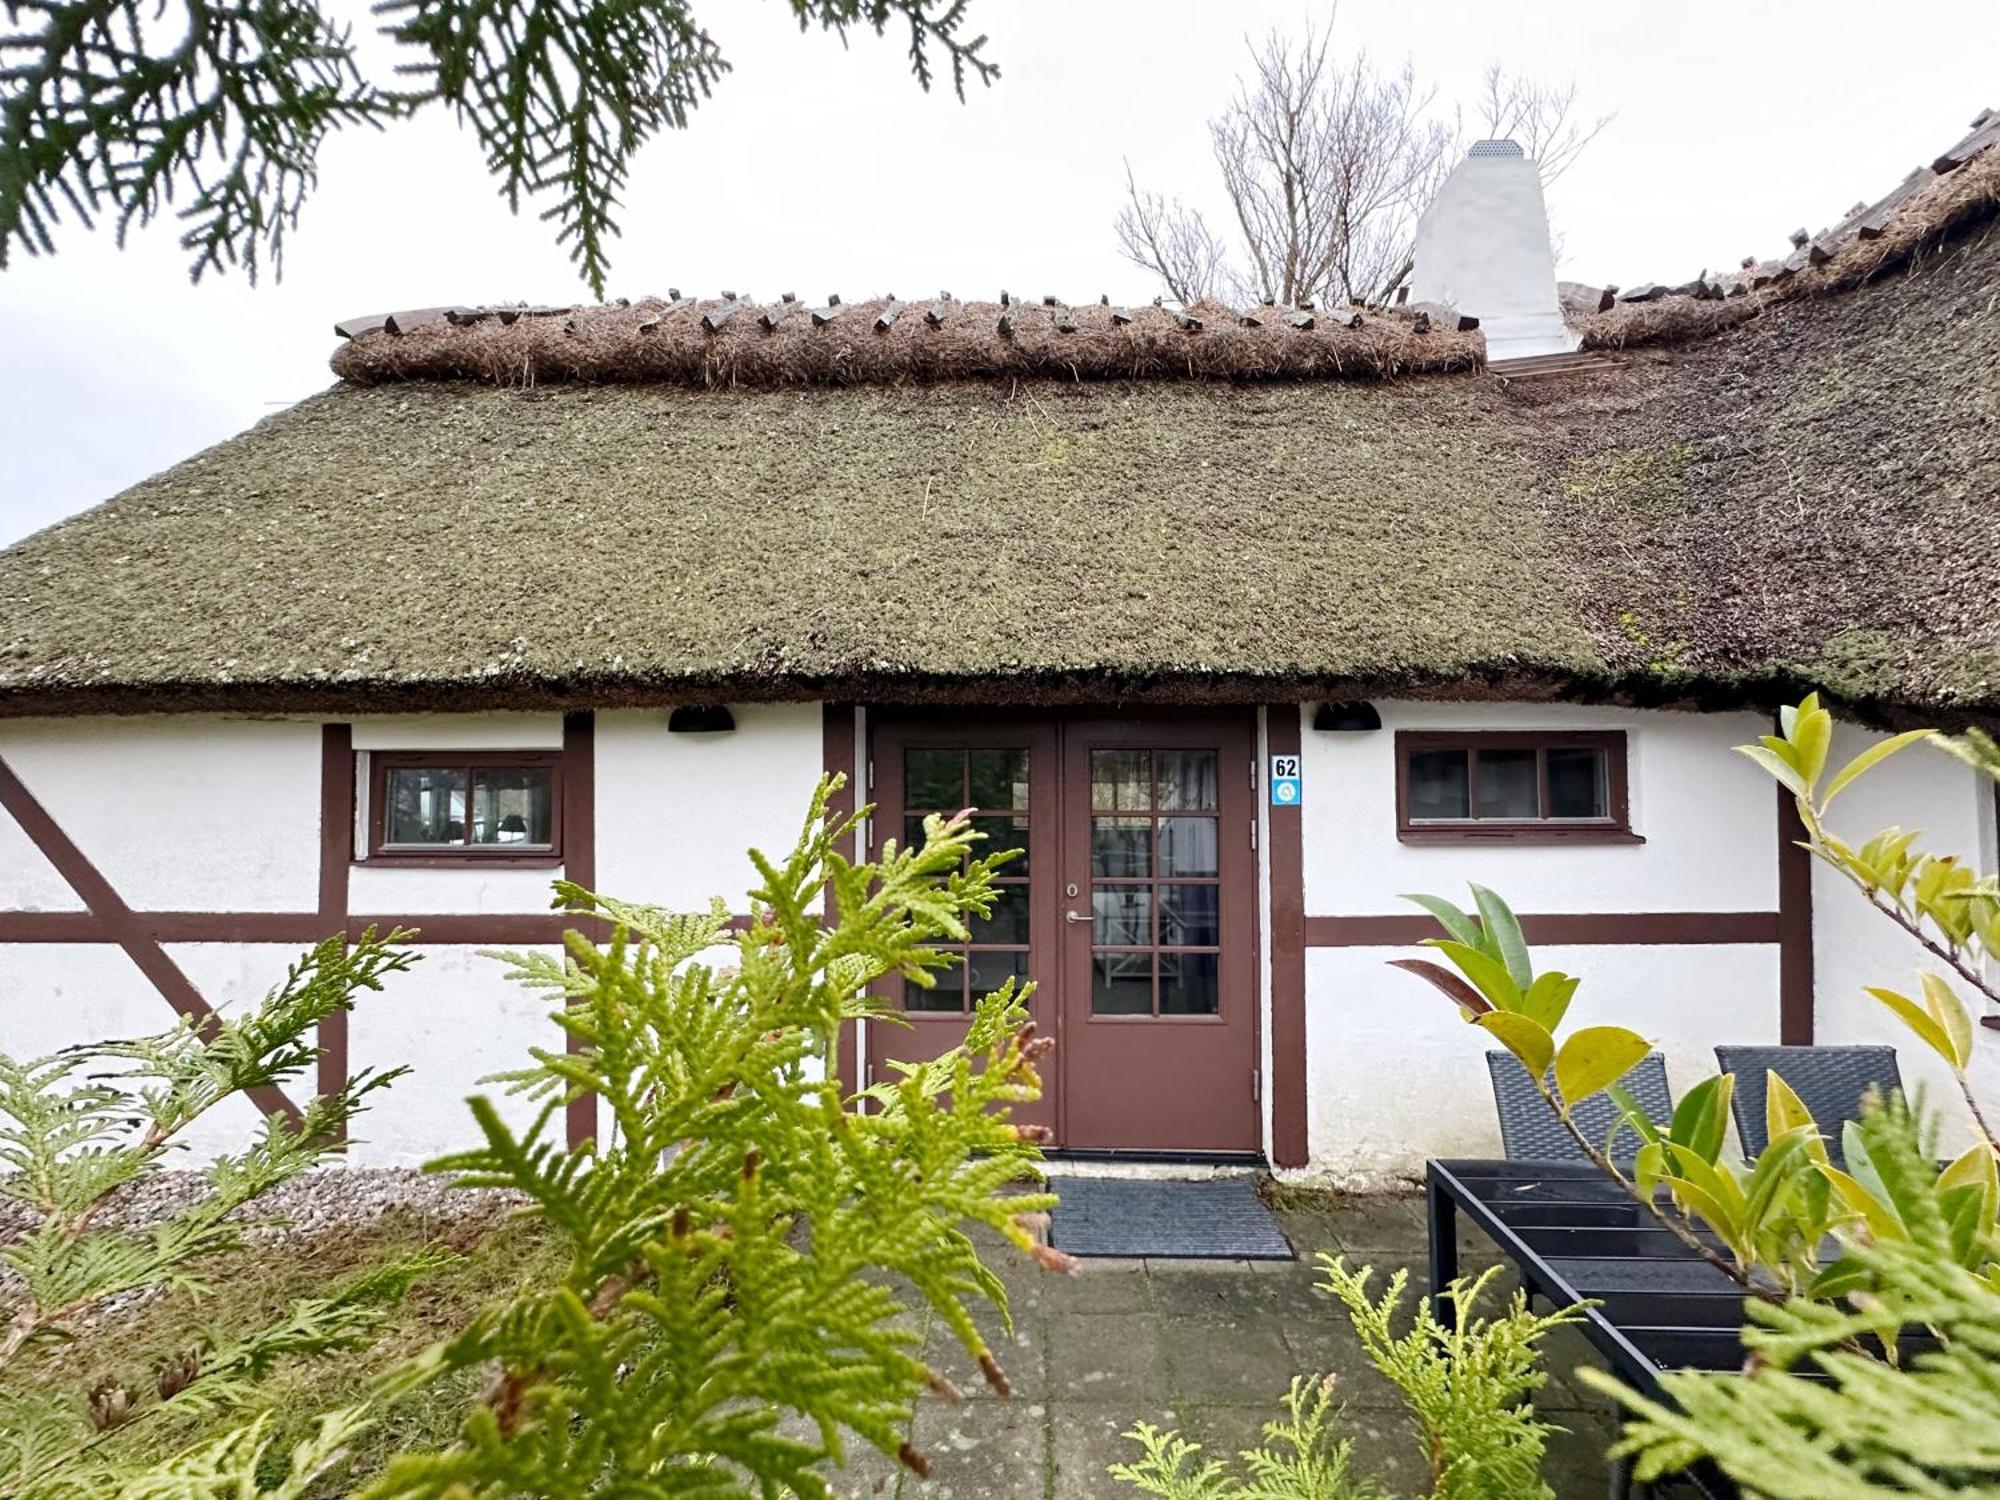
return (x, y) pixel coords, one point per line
(79, 1126)
(1465, 1382)
(745, 1237)
(1819, 1412)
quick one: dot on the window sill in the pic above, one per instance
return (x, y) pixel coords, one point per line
(542, 859)
(1464, 836)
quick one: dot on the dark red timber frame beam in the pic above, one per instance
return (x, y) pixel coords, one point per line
(118, 923)
(336, 856)
(1288, 952)
(1795, 927)
(839, 724)
(579, 795)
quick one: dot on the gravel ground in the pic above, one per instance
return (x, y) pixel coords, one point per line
(310, 1204)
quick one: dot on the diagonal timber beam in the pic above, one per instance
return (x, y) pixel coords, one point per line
(119, 922)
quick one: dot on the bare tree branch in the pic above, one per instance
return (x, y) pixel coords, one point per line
(1327, 162)
(1540, 117)
(1172, 241)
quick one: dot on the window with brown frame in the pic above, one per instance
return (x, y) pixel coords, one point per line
(1475, 786)
(451, 807)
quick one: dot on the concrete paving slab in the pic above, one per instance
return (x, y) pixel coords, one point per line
(1085, 1440)
(981, 1450)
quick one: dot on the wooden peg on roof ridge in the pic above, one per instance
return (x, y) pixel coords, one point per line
(1188, 321)
(1065, 321)
(1303, 321)
(673, 294)
(1249, 320)
(1051, 302)
(1005, 299)
(1005, 327)
(821, 316)
(936, 313)
(833, 299)
(715, 317)
(887, 315)
(1121, 315)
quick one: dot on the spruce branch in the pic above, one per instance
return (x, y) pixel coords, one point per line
(216, 110)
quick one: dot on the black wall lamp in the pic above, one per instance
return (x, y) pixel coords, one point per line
(701, 718)
(1347, 718)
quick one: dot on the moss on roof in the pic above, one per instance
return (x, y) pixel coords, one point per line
(1812, 498)
(655, 540)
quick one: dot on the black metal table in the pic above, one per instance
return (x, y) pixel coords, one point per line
(1578, 1238)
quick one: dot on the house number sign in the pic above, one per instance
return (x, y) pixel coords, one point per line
(1287, 787)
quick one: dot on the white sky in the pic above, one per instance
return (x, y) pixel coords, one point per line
(813, 171)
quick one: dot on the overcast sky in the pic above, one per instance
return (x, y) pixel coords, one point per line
(816, 171)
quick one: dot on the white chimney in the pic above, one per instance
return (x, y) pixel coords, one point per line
(1483, 248)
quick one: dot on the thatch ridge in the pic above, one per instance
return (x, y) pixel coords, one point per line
(732, 342)
(1868, 244)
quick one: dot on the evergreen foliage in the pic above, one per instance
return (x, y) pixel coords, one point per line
(77, 1127)
(113, 108)
(1465, 1382)
(1819, 1413)
(741, 1232)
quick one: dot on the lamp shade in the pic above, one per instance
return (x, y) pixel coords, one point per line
(701, 718)
(1347, 718)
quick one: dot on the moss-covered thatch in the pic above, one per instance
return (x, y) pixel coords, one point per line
(1809, 498)
(451, 542)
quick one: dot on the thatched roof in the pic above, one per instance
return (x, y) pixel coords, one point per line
(1962, 184)
(1811, 497)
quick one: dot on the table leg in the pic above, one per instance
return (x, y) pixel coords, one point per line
(1442, 1215)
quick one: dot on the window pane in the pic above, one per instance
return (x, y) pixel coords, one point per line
(1188, 984)
(1190, 916)
(1121, 846)
(1509, 784)
(511, 807)
(1009, 922)
(1438, 786)
(913, 832)
(999, 779)
(1187, 846)
(1121, 780)
(1187, 780)
(1121, 984)
(426, 806)
(1002, 834)
(1579, 783)
(991, 970)
(934, 780)
(949, 994)
(1123, 916)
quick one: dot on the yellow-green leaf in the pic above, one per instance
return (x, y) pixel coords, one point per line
(1594, 1058)
(1874, 755)
(1786, 776)
(1949, 1011)
(1527, 1040)
(1784, 1110)
(1882, 1220)
(1922, 1022)
(1488, 975)
(1812, 737)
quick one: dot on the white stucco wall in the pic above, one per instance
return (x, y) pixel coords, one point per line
(179, 813)
(1396, 1076)
(222, 814)
(1854, 947)
(1708, 816)
(1483, 247)
(678, 813)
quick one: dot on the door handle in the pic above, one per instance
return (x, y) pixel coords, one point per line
(1075, 916)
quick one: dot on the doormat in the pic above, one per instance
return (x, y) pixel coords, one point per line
(1218, 1218)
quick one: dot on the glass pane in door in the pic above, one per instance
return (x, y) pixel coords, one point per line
(1155, 900)
(947, 780)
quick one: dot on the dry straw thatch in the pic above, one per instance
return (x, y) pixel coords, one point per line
(1866, 245)
(724, 343)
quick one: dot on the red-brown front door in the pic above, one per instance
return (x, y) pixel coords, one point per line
(1008, 772)
(1132, 907)
(1158, 969)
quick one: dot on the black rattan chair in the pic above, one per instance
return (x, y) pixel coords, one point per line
(1828, 1080)
(1529, 1130)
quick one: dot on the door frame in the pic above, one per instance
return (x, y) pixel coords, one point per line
(1048, 935)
